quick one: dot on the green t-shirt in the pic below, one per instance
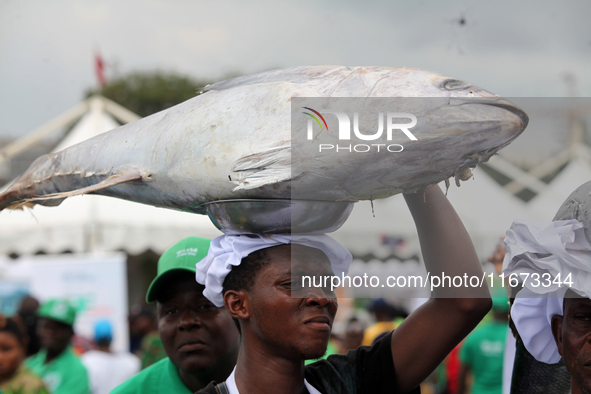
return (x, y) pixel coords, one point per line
(483, 353)
(161, 377)
(63, 375)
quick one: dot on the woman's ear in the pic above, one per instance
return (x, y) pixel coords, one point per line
(237, 304)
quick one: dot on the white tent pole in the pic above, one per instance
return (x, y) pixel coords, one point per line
(545, 168)
(576, 148)
(38, 134)
(516, 173)
(120, 113)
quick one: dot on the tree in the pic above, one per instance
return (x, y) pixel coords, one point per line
(146, 93)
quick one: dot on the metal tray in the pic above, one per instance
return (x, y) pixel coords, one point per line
(278, 216)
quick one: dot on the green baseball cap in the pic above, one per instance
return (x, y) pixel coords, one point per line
(500, 301)
(182, 256)
(58, 310)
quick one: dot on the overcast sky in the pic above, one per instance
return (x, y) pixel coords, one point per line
(512, 48)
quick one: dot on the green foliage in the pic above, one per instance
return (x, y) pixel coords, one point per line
(146, 93)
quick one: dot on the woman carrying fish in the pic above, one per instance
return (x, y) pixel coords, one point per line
(283, 323)
(235, 141)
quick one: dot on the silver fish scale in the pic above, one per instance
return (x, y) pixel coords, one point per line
(233, 141)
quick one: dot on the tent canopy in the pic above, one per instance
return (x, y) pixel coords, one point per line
(96, 223)
(486, 209)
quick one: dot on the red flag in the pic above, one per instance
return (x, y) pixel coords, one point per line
(100, 69)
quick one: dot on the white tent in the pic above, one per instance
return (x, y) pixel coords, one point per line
(363, 233)
(578, 171)
(97, 223)
(486, 209)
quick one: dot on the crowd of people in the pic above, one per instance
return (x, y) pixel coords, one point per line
(232, 317)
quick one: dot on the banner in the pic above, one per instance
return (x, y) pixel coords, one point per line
(95, 284)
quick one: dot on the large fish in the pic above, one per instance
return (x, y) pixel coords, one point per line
(233, 141)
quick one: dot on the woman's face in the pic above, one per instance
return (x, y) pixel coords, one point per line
(12, 354)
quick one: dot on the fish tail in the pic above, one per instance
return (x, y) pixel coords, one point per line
(14, 198)
(8, 199)
(110, 181)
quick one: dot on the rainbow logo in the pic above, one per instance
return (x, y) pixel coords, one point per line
(315, 118)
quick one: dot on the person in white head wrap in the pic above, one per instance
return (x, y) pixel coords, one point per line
(228, 251)
(253, 276)
(553, 263)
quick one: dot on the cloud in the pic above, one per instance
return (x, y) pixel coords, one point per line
(514, 48)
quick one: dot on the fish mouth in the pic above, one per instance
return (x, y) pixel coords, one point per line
(495, 102)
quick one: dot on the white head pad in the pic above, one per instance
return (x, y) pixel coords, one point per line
(227, 251)
(541, 255)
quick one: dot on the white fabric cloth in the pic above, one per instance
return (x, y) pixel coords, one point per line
(227, 251)
(233, 389)
(231, 383)
(108, 370)
(532, 314)
(559, 249)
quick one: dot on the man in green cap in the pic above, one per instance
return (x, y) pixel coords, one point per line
(482, 352)
(201, 340)
(55, 363)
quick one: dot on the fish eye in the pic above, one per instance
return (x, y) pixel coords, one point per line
(454, 84)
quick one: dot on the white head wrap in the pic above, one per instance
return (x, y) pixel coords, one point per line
(559, 249)
(227, 251)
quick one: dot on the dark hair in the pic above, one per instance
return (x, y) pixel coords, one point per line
(242, 276)
(14, 326)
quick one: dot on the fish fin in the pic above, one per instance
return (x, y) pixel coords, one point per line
(19, 205)
(110, 181)
(9, 200)
(6, 199)
(263, 168)
(49, 203)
